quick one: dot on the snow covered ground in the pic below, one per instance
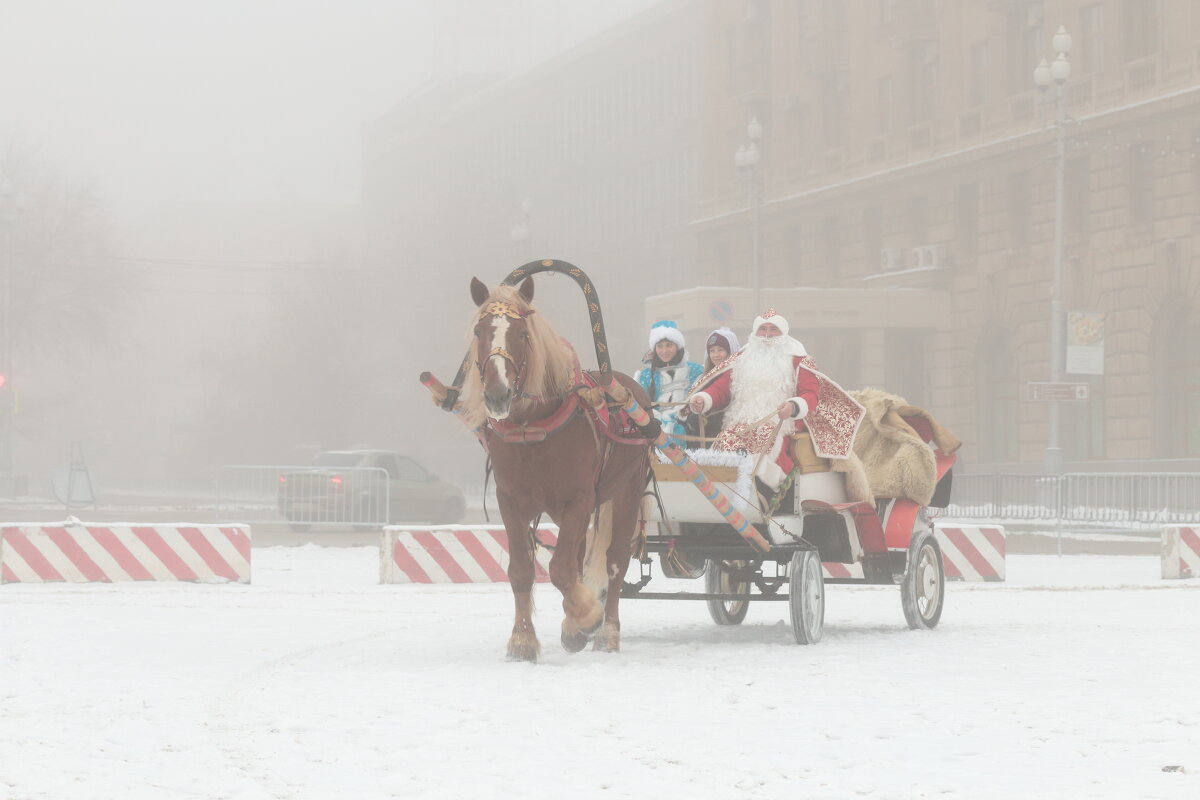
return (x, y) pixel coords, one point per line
(1077, 678)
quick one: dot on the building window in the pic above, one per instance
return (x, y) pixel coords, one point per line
(1143, 24)
(1077, 193)
(1019, 198)
(1025, 44)
(999, 418)
(980, 70)
(918, 219)
(794, 244)
(834, 92)
(1196, 165)
(1177, 383)
(831, 245)
(887, 106)
(923, 61)
(872, 222)
(1141, 183)
(906, 372)
(1091, 40)
(967, 219)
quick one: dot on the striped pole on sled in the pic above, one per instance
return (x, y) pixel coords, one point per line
(689, 468)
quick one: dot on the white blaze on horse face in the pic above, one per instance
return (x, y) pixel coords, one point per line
(500, 326)
(500, 342)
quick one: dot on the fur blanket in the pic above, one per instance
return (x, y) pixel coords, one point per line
(897, 461)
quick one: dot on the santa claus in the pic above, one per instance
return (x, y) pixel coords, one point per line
(770, 390)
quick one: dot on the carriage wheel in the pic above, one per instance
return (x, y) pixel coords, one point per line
(718, 580)
(806, 597)
(923, 587)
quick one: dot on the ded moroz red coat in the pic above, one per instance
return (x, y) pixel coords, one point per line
(821, 407)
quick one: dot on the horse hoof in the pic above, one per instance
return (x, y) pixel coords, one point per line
(608, 640)
(574, 642)
(523, 648)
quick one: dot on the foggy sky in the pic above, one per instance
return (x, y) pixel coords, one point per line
(246, 100)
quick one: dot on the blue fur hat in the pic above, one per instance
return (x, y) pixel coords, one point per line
(666, 329)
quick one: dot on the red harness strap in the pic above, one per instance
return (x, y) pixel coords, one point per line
(539, 431)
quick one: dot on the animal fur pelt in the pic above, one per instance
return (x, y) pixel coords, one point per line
(858, 485)
(898, 463)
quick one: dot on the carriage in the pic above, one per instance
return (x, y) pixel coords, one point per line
(815, 538)
(577, 445)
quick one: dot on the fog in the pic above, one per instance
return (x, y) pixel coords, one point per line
(234, 232)
(217, 149)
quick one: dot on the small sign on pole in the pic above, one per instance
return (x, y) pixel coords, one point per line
(1085, 343)
(1047, 392)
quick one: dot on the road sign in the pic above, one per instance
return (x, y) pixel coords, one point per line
(1046, 392)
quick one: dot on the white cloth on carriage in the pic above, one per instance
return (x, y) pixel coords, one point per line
(744, 487)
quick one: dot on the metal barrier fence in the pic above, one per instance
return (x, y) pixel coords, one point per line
(1117, 498)
(304, 496)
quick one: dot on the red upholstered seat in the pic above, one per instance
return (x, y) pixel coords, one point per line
(866, 521)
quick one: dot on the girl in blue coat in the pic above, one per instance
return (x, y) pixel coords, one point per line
(668, 375)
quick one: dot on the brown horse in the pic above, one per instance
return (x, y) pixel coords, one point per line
(550, 456)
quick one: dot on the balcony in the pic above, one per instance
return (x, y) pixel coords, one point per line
(1141, 74)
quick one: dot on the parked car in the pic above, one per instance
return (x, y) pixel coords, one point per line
(368, 488)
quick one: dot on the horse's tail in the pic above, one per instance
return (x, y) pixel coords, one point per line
(595, 555)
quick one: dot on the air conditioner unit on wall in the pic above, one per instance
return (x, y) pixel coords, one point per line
(891, 259)
(929, 255)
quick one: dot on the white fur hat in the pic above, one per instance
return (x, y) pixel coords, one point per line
(666, 329)
(773, 317)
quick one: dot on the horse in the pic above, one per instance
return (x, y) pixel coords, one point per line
(551, 455)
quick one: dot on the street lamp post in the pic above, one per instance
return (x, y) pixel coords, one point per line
(747, 160)
(1044, 76)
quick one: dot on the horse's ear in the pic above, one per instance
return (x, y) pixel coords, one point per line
(526, 289)
(479, 291)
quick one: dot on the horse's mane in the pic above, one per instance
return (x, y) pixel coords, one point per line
(550, 365)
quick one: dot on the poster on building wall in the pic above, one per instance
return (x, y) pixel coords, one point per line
(1085, 343)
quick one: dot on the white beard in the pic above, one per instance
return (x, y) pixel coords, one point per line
(763, 377)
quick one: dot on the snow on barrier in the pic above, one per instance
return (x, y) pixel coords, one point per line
(1181, 551)
(81, 552)
(454, 555)
(972, 552)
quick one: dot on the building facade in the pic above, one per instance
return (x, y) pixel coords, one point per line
(906, 196)
(589, 158)
(906, 152)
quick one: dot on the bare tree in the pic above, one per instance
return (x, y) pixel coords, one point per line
(62, 280)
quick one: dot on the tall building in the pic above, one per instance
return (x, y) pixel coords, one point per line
(907, 210)
(588, 158)
(900, 205)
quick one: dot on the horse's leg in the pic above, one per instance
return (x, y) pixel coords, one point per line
(583, 613)
(523, 643)
(626, 510)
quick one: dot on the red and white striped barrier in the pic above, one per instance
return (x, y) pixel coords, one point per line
(1181, 551)
(81, 552)
(972, 552)
(454, 555)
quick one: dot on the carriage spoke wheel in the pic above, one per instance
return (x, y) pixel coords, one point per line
(923, 588)
(718, 580)
(806, 597)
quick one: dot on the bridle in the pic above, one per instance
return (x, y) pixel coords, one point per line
(500, 309)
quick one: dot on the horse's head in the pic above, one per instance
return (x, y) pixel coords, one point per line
(502, 345)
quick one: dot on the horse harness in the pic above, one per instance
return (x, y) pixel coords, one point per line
(499, 309)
